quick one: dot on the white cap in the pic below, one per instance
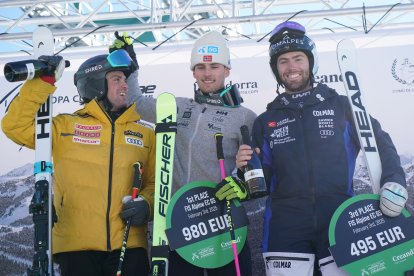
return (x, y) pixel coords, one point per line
(210, 48)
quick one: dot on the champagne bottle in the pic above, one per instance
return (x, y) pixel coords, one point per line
(253, 172)
(24, 70)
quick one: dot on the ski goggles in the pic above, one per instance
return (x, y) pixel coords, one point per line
(119, 58)
(231, 97)
(289, 26)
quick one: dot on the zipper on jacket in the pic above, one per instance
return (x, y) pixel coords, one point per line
(309, 168)
(191, 142)
(111, 161)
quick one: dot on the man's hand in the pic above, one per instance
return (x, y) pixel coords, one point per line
(231, 188)
(136, 210)
(124, 42)
(244, 154)
(56, 65)
(393, 199)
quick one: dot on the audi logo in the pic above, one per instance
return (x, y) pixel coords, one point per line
(327, 132)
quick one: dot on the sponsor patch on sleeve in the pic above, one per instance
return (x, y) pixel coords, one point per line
(146, 124)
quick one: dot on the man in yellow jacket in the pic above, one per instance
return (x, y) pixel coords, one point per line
(93, 153)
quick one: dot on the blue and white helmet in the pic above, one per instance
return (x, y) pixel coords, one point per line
(290, 36)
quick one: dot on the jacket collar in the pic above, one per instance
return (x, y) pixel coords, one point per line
(93, 109)
(318, 94)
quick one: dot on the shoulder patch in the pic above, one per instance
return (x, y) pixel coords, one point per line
(146, 124)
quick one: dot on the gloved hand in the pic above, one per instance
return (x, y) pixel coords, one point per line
(136, 210)
(230, 188)
(56, 65)
(124, 42)
(393, 199)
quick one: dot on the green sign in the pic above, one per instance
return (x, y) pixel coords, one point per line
(363, 241)
(198, 226)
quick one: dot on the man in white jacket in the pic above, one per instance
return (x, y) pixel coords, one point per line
(212, 108)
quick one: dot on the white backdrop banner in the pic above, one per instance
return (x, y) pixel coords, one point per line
(386, 68)
(386, 65)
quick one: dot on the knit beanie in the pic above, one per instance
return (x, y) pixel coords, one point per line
(210, 48)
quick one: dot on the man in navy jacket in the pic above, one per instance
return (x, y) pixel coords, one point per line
(309, 145)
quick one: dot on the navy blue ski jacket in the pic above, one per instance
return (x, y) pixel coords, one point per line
(309, 154)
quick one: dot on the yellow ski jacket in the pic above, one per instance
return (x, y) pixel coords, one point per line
(93, 168)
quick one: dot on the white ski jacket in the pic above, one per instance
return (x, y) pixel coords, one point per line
(195, 150)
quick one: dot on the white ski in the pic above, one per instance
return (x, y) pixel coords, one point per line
(43, 44)
(347, 60)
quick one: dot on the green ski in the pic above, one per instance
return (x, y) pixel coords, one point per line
(165, 129)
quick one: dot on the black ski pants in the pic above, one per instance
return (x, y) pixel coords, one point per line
(101, 263)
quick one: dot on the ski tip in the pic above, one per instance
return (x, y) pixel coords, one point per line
(346, 44)
(345, 48)
(165, 98)
(43, 42)
(42, 32)
(167, 95)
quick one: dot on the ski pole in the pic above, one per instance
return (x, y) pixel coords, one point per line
(136, 186)
(220, 157)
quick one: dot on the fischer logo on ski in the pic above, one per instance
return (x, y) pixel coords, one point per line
(165, 175)
(166, 128)
(347, 61)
